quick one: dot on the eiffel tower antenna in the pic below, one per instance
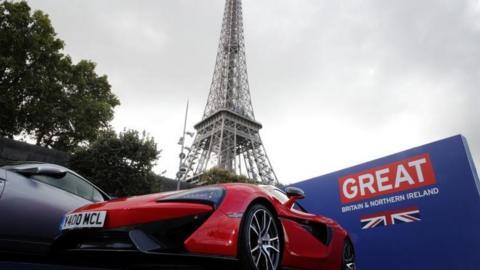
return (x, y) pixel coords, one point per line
(228, 134)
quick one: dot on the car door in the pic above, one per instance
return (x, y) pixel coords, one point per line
(31, 213)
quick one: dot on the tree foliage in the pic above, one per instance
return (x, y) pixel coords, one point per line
(218, 176)
(121, 164)
(43, 95)
(47, 98)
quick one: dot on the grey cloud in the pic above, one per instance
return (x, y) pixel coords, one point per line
(334, 82)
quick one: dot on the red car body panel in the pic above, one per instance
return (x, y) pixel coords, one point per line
(304, 251)
(219, 234)
(142, 210)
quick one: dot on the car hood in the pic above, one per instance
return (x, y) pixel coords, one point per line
(144, 209)
(126, 202)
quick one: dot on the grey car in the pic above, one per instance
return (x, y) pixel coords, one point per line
(34, 197)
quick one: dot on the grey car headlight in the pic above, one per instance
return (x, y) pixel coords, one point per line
(2, 186)
(207, 195)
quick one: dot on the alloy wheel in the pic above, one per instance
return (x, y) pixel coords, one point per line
(264, 240)
(348, 256)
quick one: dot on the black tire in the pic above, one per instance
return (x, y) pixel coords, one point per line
(260, 242)
(348, 256)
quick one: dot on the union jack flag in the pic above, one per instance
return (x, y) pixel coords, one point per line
(404, 215)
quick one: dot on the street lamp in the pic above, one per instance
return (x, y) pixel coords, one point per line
(181, 167)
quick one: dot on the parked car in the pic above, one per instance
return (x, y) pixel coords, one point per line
(34, 197)
(260, 227)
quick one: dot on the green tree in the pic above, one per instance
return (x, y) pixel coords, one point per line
(119, 164)
(218, 176)
(43, 95)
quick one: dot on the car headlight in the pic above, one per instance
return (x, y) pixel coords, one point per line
(208, 195)
(2, 186)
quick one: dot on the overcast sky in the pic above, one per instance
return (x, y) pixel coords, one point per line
(334, 83)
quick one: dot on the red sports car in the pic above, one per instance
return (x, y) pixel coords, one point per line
(260, 227)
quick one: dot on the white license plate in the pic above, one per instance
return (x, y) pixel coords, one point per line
(79, 220)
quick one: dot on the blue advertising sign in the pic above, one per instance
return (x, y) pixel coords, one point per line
(417, 209)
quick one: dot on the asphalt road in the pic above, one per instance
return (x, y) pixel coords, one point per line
(22, 262)
(40, 266)
(19, 265)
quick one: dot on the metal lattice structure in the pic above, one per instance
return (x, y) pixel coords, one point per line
(228, 135)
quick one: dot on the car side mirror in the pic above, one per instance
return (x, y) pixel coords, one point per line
(293, 195)
(295, 192)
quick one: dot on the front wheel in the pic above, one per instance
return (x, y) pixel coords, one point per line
(260, 246)
(348, 256)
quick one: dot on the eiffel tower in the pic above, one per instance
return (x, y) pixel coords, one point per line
(228, 136)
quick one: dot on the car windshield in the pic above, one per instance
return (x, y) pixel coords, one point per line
(70, 182)
(282, 197)
(73, 184)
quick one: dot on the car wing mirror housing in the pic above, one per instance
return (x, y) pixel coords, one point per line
(293, 194)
